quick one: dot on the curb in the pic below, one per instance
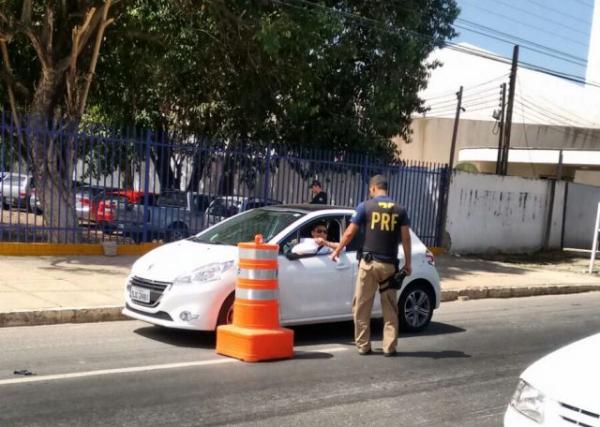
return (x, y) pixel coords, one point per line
(532, 291)
(61, 315)
(65, 249)
(113, 313)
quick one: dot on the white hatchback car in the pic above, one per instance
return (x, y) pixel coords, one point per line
(190, 284)
(561, 389)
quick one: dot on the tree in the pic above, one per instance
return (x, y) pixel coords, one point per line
(65, 39)
(340, 75)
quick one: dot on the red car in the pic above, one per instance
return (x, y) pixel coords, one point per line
(104, 208)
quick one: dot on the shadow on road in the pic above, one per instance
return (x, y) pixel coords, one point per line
(447, 354)
(339, 333)
(434, 328)
(178, 337)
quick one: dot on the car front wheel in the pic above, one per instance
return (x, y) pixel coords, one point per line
(415, 307)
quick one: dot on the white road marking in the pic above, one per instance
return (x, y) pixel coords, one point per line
(148, 368)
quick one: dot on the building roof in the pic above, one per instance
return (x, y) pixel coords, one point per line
(539, 98)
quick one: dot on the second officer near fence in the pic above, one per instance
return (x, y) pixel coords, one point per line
(385, 225)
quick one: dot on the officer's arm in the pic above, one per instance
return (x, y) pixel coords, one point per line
(407, 246)
(346, 238)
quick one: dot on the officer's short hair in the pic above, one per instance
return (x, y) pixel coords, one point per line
(379, 182)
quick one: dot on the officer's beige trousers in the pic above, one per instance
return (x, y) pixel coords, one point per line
(367, 285)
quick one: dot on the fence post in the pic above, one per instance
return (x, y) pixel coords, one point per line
(267, 184)
(364, 191)
(147, 187)
(443, 205)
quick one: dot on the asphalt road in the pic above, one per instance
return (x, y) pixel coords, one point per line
(461, 372)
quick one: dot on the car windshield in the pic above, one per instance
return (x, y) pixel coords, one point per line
(244, 227)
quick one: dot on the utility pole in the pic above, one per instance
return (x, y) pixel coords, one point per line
(509, 109)
(499, 160)
(448, 177)
(459, 95)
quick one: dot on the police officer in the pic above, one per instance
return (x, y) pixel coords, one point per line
(319, 196)
(386, 224)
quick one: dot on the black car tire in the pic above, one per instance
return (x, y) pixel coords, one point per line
(415, 307)
(226, 313)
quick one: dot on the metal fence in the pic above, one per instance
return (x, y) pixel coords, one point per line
(127, 184)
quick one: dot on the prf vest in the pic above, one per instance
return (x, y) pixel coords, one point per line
(382, 228)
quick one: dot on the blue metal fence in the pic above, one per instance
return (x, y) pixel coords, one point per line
(132, 185)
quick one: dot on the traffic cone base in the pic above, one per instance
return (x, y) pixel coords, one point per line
(255, 345)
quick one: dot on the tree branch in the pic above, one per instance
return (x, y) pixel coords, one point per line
(11, 95)
(26, 13)
(48, 31)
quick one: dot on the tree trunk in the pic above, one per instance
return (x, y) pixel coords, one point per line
(53, 160)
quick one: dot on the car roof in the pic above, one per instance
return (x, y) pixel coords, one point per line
(306, 207)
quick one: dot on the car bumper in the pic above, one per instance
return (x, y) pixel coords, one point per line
(513, 418)
(202, 301)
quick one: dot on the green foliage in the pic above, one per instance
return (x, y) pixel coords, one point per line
(341, 75)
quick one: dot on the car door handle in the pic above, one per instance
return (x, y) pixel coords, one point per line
(342, 266)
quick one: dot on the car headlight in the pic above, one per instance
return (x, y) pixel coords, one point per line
(206, 273)
(529, 401)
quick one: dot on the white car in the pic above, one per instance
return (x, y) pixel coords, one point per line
(561, 389)
(190, 284)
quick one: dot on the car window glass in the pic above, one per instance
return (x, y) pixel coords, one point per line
(246, 226)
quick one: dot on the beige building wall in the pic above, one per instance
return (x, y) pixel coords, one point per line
(431, 140)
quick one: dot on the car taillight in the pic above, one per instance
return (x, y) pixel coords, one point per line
(430, 258)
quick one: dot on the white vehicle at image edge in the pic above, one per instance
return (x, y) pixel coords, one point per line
(561, 389)
(190, 284)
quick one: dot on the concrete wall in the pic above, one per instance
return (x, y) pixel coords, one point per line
(489, 213)
(582, 204)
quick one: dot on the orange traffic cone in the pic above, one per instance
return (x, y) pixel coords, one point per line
(255, 334)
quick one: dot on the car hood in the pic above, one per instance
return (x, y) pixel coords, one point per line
(570, 375)
(170, 261)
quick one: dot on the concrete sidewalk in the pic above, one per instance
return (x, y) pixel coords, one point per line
(41, 290)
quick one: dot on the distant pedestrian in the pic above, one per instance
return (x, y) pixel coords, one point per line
(320, 197)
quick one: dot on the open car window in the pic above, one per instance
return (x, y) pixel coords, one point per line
(334, 228)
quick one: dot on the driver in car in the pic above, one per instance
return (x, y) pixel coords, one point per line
(317, 244)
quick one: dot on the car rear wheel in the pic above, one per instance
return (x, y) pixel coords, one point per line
(226, 312)
(415, 307)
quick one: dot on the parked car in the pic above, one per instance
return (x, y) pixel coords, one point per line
(83, 195)
(561, 389)
(84, 202)
(15, 190)
(170, 216)
(228, 206)
(190, 284)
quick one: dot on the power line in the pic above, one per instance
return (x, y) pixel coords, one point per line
(534, 27)
(453, 92)
(520, 40)
(585, 3)
(528, 12)
(525, 47)
(442, 43)
(560, 12)
(475, 95)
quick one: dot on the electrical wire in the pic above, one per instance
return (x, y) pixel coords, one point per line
(521, 41)
(560, 12)
(517, 21)
(437, 42)
(540, 17)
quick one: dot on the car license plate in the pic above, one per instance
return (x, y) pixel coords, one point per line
(140, 294)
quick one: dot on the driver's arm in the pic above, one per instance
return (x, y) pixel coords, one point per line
(346, 239)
